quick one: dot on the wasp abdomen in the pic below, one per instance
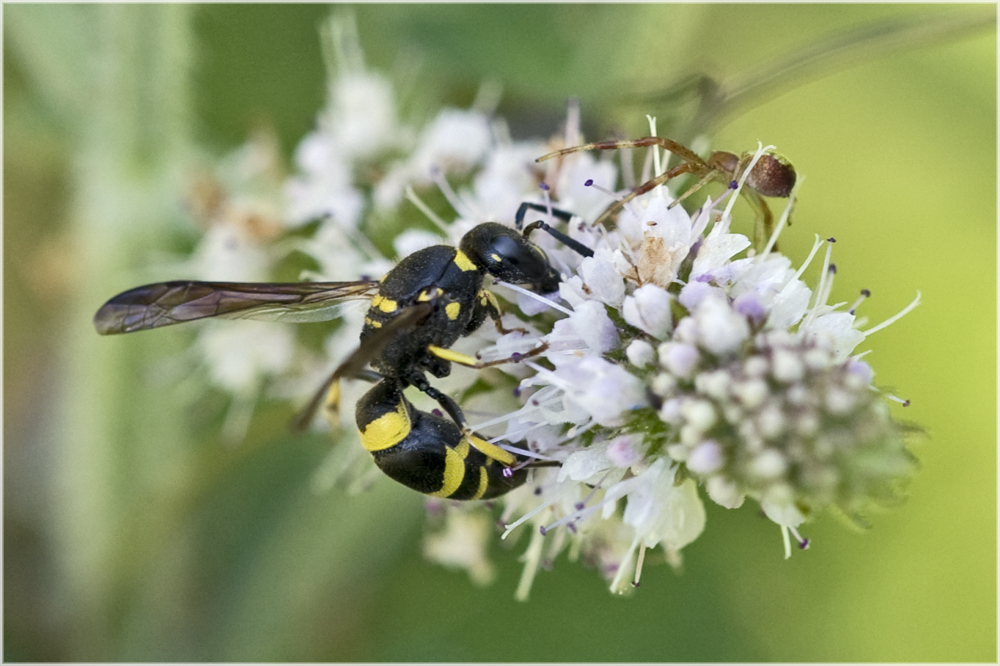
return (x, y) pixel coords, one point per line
(429, 453)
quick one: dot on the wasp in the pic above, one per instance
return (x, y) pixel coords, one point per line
(418, 310)
(771, 176)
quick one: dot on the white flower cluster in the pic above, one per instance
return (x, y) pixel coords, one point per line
(676, 359)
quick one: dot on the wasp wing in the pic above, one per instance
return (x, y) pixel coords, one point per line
(168, 303)
(353, 365)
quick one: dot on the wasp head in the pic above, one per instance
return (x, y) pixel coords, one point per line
(508, 256)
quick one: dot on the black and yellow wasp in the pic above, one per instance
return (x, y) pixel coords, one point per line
(419, 309)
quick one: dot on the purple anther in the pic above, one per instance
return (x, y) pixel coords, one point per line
(866, 293)
(507, 472)
(588, 182)
(541, 529)
(436, 412)
(831, 239)
(733, 184)
(579, 506)
(906, 403)
(515, 357)
(833, 268)
(517, 391)
(365, 277)
(538, 490)
(635, 583)
(572, 527)
(534, 403)
(544, 186)
(804, 544)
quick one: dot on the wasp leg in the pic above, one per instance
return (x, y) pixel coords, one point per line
(522, 210)
(764, 224)
(704, 180)
(354, 365)
(489, 305)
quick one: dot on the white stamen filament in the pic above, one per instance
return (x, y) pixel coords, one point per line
(657, 162)
(812, 253)
(535, 405)
(537, 297)
(627, 168)
(614, 195)
(510, 527)
(426, 210)
(783, 220)
(746, 174)
(573, 136)
(893, 319)
(464, 208)
(531, 558)
(861, 299)
(638, 565)
(523, 452)
(616, 583)
(822, 291)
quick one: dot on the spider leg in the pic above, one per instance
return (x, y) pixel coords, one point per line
(686, 167)
(669, 145)
(704, 180)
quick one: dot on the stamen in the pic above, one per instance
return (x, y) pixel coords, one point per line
(761, 149)
(528, 516)
(803, 542)
(426, 210)
(788, 544)
(537, 297)
(488, 97)
(893, 319)
(580, 505)
(461, 207)
(627, 168)
(638, 565)
(537, 404)
(574, 136)
(617, 197)
(531, 559)
(861, 299)
(805, 264)
(783, 220)
(823, 290)
(624, 565)
(647, 167)
(548, 201)
(896, 398)
(657, 165)
(524, 452)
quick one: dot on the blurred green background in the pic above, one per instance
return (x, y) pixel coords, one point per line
(132, 533)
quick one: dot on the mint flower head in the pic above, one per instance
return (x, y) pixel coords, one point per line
(683, 364)
(680, 362)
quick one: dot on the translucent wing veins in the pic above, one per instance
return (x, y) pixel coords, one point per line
(168, 303)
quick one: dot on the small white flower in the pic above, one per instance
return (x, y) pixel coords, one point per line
(648, 308)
